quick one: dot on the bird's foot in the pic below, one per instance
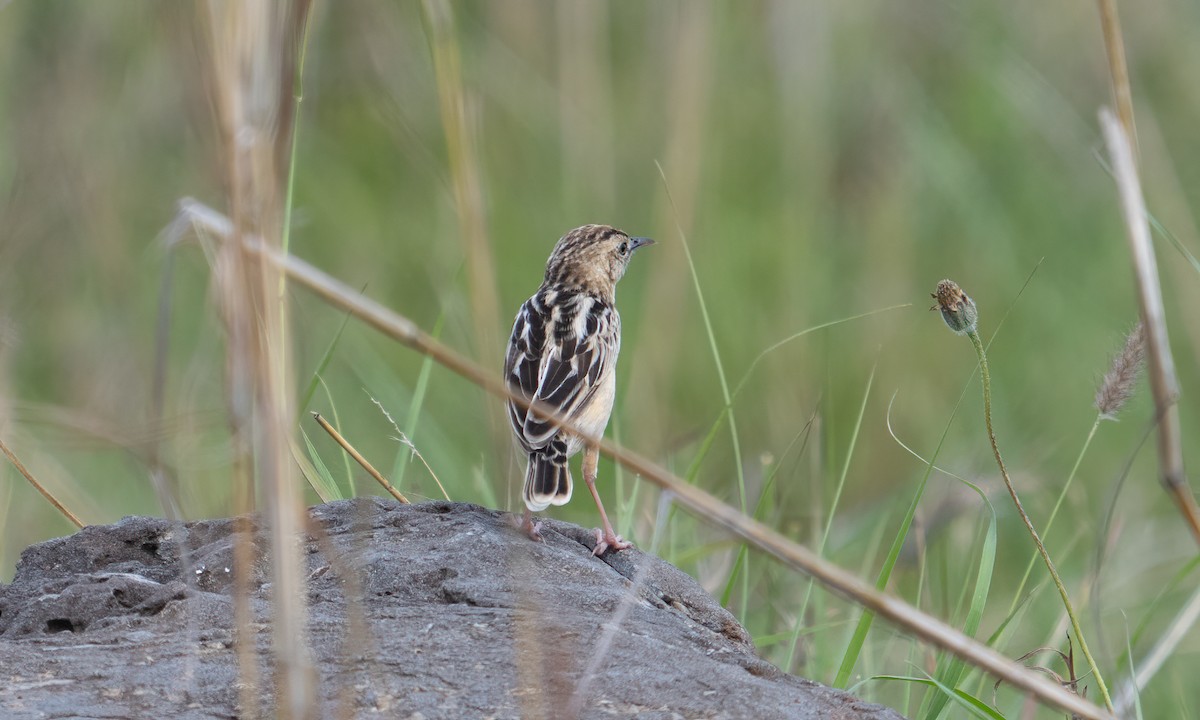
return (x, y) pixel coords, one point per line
(609, 539)
(530, 527)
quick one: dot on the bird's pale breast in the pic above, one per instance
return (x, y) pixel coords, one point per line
(593, 418)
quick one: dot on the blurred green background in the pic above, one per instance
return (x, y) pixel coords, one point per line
(825, 159)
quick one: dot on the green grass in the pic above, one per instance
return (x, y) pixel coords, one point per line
(824, 185)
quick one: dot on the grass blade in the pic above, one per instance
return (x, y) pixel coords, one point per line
(716, 353)
(316, 472)
(320, 370)
(953, 671)
(969, 702)
(837, 496)
(400, 467)
(337, 422)
(854, 648)
(758, 507)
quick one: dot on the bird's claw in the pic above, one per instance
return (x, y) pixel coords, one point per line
(606, 540)
(531, 528)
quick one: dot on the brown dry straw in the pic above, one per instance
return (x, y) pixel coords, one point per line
(1121, 138)
(903, 615)
(253, 51)
(12, 458)
(1118, 70)
(1161, 364)
(467, 179)
(379, 478)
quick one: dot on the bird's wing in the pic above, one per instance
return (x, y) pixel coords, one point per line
(522, 362)
(580, 340)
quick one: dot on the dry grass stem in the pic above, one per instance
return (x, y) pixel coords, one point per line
(12, 458)
(403, 439)
(358, 458)
(892, 609)
(1117, 386)
(466, 174)
(1118, 70)
(1163, 382)
(252, 57)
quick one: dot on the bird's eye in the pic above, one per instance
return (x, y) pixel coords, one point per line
(624, 248)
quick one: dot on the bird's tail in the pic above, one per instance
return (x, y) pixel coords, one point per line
(548, 479)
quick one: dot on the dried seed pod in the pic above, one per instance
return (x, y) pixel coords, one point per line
(958, 310)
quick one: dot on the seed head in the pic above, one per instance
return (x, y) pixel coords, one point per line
(958, 310)
(1117, 386)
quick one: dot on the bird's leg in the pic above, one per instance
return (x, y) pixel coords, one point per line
(531, 528)
(605, 537)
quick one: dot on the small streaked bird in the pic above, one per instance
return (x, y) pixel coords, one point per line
(562, 355)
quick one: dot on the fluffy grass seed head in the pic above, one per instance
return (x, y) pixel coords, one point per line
(1117, 386)
(958, 310)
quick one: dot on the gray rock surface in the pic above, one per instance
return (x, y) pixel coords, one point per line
(436, 610)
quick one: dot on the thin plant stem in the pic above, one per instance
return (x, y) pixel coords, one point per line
(337, 421)
(1161, 364)
(1118, 69)
(379, 478)
(12, 458)
(1054, 513)
(285, 235)
(1037, 540)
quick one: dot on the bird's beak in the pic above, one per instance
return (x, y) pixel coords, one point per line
(637, 242)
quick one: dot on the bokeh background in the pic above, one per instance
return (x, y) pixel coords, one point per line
(823, 160)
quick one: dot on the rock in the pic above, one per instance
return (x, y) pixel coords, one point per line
(436, 610)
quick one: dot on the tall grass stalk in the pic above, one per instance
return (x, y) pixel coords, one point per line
(285, 234)
(251, 62)
(1161, 363)
(467, 178)
(326, 358)
(1118, 69)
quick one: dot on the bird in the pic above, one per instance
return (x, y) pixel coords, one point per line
(562, 357)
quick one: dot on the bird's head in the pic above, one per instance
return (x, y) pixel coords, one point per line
(593, 257)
